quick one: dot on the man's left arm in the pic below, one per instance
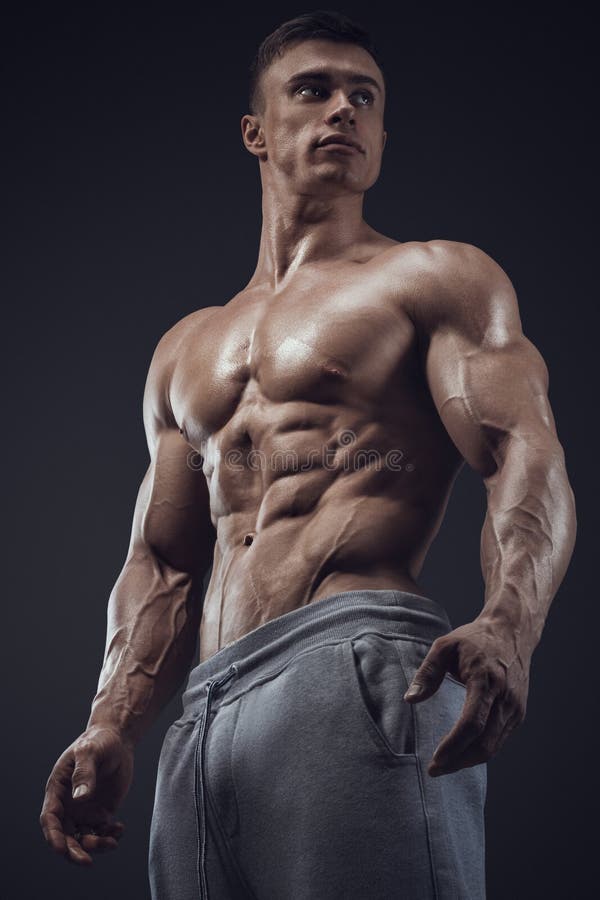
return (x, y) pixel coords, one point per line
(490, 386)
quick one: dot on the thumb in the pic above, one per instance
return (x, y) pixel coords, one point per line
(83, 778)
(428, 676)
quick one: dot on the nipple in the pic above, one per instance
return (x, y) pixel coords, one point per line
(333, 368)
(249, 538)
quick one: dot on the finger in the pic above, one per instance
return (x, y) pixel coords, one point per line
(430, 673)
(470, 725)
(499, 726)
(57, 788)
(83, 779)
(95, 843)
(473, 756)
(51, 822)
(511, 723)
(492, 737)
(485, 742)
(110, 829)
(76, 852)
(54, 834)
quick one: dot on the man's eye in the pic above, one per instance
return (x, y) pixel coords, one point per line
(310, 87)
(368, 95)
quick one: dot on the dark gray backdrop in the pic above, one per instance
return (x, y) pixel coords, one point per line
(130, 202)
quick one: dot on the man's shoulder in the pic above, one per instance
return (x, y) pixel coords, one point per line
(171, 341)
(452, 283)
(168, 350)
(440, 260)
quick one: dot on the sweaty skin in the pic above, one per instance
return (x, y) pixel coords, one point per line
(304, 438)
(330, 428)
(327, 465)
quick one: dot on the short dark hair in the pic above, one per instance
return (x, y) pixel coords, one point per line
(321, 24)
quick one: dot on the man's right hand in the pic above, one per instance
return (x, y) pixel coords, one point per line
(98, 767)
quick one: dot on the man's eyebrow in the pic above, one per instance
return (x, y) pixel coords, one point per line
(316, 75)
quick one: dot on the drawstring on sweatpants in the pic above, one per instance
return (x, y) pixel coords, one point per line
(200, 780)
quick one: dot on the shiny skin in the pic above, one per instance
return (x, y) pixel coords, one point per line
(305, 434)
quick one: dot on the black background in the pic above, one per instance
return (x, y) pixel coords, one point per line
(130, 201)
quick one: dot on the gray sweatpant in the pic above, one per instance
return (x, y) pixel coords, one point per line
(297, 771)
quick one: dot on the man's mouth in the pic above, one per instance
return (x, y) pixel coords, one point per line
(334, 146)
(340, 142)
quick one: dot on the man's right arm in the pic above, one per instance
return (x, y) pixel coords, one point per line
(154, 609)
(154, 614)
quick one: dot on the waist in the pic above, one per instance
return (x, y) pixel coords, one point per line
(338, 616)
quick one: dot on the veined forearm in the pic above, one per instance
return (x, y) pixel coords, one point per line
(153, 619)
(527, 538)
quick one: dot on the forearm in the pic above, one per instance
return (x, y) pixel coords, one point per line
(527, 538)
(153, 620)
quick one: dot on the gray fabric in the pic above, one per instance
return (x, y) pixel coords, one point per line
(298, 772)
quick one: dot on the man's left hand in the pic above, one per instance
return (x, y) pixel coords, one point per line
(494, 668)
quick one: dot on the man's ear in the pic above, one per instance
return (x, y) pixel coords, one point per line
(253, 135)
(384, 140)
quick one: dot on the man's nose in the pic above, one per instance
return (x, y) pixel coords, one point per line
(340, 109)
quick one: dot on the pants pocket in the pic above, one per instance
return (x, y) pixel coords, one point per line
(378, 684)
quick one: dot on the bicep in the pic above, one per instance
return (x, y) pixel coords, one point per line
(172, 516)
(488, 393)
(172, 512)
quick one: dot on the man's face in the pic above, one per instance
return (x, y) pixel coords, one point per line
(317, 89)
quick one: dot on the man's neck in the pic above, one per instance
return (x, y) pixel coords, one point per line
(298, 229)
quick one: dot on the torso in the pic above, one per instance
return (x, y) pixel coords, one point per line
(327, 464)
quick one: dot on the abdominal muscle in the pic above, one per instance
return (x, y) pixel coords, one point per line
(350, 539)
(340, 390)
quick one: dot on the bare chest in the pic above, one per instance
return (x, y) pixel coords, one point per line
(320, 343)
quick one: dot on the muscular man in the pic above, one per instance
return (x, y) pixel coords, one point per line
(304, 437)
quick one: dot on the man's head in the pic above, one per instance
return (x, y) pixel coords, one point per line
(317, 77)
(318, 25)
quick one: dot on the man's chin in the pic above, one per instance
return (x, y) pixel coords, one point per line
(326, 174)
